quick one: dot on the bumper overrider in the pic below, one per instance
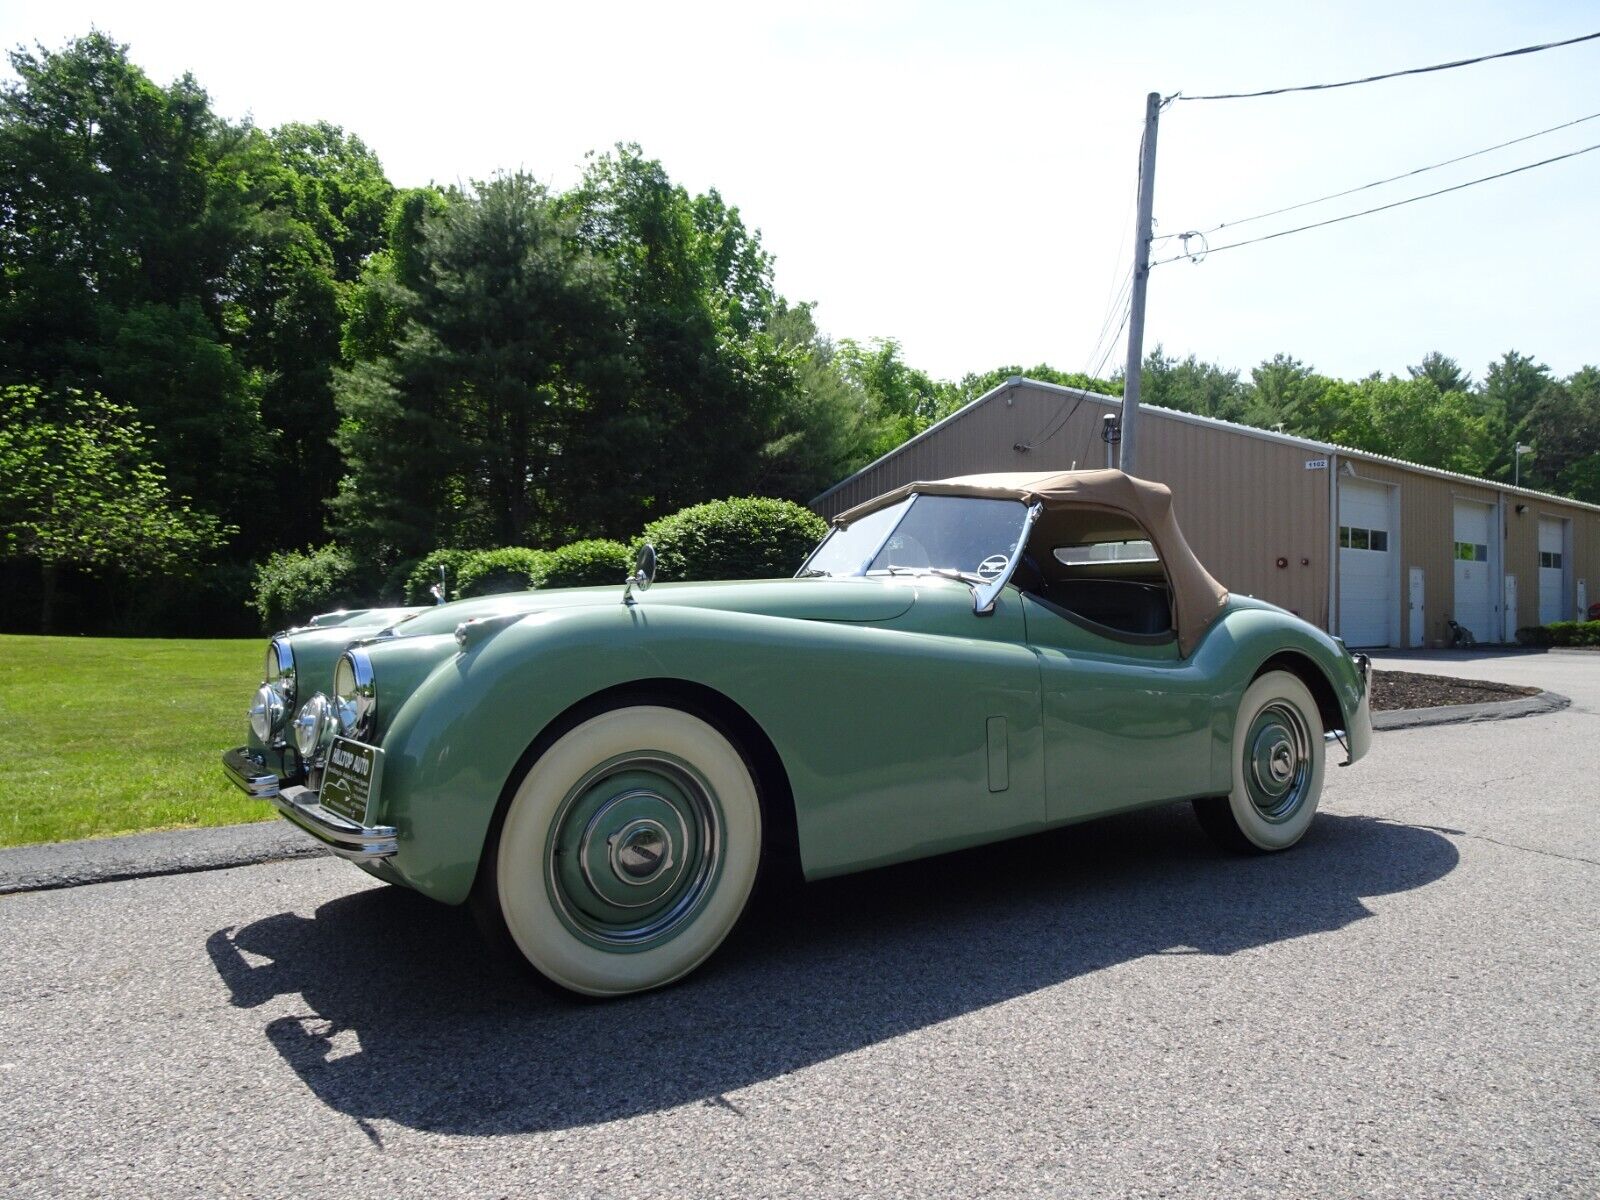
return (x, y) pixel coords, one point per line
(300, 804)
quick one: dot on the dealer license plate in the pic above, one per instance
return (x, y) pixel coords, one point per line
(350, 779)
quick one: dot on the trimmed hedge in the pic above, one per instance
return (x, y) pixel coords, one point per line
(591, 563)
(295, 585)
(424, 574)
(508, 569)
(750, 538)
(1561, 633)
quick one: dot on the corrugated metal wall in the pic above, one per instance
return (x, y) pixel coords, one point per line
(1244, 501)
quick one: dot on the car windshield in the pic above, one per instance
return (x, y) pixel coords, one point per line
(961, 535)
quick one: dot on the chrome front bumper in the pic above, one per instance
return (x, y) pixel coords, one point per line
(358, 843)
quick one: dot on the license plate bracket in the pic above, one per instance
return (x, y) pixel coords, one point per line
(350, 779)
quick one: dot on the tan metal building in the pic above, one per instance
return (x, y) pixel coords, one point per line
(1378, 550)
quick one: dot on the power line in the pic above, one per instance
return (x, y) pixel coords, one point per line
(1382, 207)
(1391, 179)
(1464, 62)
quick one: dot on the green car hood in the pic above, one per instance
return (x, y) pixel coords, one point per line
(854, 600)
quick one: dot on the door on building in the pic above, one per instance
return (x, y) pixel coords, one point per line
(1475, 591)
(1368, 579)
(1583, 600)
(1552, 569)
(1418, 632)
(1509, 634)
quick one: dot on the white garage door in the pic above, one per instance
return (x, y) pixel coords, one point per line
(1552, 570)
(1368, 583)
(1474, 598)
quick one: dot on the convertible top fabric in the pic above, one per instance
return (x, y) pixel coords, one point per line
(1073, 503)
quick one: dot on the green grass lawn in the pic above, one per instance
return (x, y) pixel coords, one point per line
(101, 736)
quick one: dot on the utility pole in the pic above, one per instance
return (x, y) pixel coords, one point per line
(1141, 277)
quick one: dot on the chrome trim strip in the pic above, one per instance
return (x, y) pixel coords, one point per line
(983, 598)
(249, 774)
(357, 843)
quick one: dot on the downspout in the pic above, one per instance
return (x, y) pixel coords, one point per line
(1333, 541)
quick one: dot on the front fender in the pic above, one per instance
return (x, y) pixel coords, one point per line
(1235, 649)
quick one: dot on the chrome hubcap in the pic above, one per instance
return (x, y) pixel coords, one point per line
(634, 851)
(1278, 761)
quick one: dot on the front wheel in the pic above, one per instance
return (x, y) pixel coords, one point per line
(1278, 760)
(627, 851)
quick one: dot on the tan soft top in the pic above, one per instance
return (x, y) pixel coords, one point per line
(1068, 498)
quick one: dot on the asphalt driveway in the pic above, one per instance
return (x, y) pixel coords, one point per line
(1405, 1005)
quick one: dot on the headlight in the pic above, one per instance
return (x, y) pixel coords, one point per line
(279, 671)
(312, 726)
(274, 699)
(355, 696)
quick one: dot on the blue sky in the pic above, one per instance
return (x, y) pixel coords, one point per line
(960, 177)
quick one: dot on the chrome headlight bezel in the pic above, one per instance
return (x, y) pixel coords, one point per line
(355, 695)
(279, 671)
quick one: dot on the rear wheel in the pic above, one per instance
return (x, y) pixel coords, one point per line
(628, 851)
(1278, 761)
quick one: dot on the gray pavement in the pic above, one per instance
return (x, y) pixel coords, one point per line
(170, 852)
(1403, 1006)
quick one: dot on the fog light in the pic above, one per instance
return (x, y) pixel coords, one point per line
(266, 714)
(312, 726)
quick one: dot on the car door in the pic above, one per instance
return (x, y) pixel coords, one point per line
(1127, 720)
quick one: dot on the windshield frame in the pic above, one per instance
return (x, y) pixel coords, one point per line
(985, 591)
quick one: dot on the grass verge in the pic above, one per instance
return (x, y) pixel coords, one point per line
(101, 736)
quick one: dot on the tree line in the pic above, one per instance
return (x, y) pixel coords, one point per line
(219, 341)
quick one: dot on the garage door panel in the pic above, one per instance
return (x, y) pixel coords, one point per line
(1474, 580)
(1368, 582)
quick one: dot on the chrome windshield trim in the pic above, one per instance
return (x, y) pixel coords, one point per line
(983, 597)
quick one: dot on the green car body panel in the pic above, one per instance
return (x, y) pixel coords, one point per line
(905, 723)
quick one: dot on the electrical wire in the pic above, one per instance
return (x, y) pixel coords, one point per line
(1267, 237)
(1463, 62)
(1380, 182)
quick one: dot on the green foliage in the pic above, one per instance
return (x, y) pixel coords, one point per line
(459, 435)
(1561, 633)
(590, 563)
(296, 585)
(508, 569)
(1442, 371)
(1192, 386)
(80, 486)
(1410, 419)
(751, 538)
(422, 576)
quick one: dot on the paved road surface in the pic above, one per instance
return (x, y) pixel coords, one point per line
(1404, 1006)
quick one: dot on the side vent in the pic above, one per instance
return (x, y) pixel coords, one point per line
(999, 776)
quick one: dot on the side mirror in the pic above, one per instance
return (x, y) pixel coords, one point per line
(644, 572)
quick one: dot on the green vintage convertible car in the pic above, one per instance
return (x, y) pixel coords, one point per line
(603, 772)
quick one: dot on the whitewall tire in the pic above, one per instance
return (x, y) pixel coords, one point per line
(628, 850)
(1278, 759)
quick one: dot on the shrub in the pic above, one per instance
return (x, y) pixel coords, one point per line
(1561, 633)
(295, 585)
(586, 564)
(490, 572)
(752, 538)
(424, 574)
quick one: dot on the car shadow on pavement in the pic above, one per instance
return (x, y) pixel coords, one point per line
(406, 1018)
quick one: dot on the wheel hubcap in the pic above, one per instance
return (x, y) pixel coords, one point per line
(1277, 767)
(634, 851)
